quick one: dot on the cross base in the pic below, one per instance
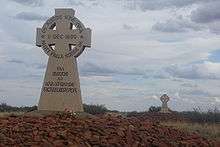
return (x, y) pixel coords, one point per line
(61, 87)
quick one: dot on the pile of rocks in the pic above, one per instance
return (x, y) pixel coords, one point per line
(67, 130)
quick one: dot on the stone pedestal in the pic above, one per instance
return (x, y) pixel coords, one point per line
(61, 87)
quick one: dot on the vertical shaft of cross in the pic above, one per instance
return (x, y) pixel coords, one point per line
(62, 26)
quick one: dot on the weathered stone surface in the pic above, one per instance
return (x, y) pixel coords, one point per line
(63, 44)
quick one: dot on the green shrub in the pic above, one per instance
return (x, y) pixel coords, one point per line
(154, 109)
(95, 109)
(92, 109)
(7, 108)
(212, 116)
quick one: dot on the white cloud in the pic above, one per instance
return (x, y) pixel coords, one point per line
(161, 4)
(207, 13)
(30, 16)
(32, 3)
(214, 27)
(177, 25)
(205, 70)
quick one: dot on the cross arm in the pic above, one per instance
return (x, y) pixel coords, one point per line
(84, 36)
(87, 33)
(38, 37)
(48, 37)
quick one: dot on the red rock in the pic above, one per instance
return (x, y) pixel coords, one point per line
(66, 130)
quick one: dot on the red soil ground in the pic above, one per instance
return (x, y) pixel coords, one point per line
(67, 130)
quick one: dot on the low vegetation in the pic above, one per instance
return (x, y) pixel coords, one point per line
(154, 109)
(7, 109)
(207, 130)
(95, 109)
(195, 116)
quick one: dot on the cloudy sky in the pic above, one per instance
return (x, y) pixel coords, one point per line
(140, 50)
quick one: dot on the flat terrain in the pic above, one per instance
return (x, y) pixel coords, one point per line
(69, 130)
(5, 114)
(211, 131)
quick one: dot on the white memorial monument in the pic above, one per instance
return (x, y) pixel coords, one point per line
(164, 108)
(63, 38)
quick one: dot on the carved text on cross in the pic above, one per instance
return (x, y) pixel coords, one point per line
(63, 35)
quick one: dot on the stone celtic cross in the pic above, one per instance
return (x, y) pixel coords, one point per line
(63, 38)
(58, 31)
(164, 99)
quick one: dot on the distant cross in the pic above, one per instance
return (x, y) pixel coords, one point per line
(164, 109)
(164, 98)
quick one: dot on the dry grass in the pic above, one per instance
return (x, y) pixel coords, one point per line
(5, 114)
(211, 131)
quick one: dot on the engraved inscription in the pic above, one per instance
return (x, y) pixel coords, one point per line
(60, 85)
